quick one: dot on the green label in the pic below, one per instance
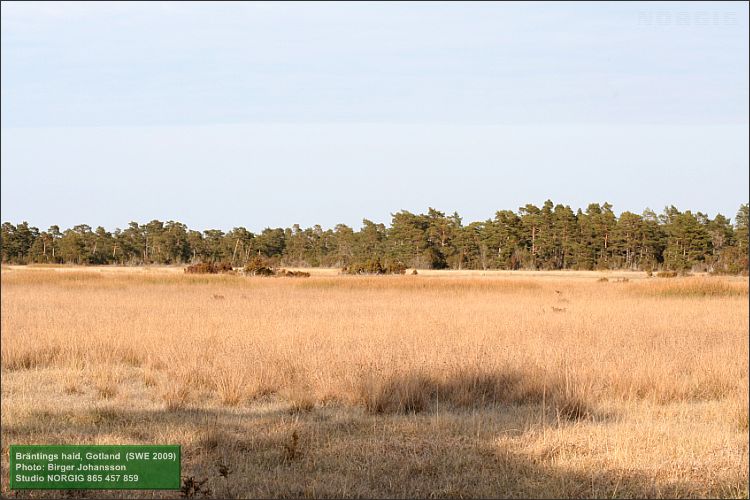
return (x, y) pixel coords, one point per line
(95, 467)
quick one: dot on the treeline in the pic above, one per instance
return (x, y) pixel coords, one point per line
(550, 237)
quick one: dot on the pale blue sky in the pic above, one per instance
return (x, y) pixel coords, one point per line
(259, 114)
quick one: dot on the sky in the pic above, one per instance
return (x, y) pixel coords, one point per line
(270, 114)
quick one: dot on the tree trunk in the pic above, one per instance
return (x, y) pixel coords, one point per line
(235, 250)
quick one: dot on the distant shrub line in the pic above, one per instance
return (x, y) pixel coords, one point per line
(256, 267)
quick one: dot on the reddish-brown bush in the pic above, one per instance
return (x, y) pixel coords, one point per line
(209, 268)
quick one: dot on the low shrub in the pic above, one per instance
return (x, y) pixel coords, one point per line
(375, 266)
(223, 267)
(209, 268)
(201, 268)
(259, 266)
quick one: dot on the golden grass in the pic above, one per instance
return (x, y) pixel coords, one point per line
(428, 385)
(695, 287)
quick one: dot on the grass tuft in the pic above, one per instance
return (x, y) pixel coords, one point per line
(176, 396)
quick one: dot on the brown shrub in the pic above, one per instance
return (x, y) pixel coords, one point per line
(223, 267)
(259, 266)
(375, 266)
(209, 268)
(200, 268)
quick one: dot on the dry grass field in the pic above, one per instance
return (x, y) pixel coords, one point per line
(436, 385)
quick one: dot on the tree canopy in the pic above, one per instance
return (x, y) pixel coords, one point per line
(551, 237)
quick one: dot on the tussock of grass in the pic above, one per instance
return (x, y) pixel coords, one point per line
(106, 380)
(176, 396)
(741, 418)
(131, 355)
(292, 449)
(150, 377)
(471, 389)
(106, 390)
(740, 414)
(71, 384)
(212, 438)
(301, 399)
(196, 375)
(231, 388)
(29, 357)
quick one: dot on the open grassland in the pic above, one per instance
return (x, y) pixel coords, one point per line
(436, 385)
